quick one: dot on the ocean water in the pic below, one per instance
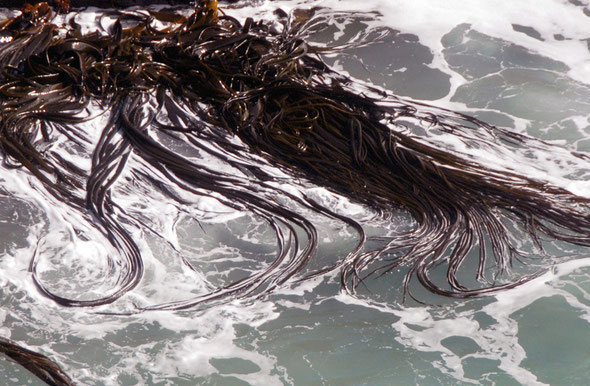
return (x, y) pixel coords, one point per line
(520, 65)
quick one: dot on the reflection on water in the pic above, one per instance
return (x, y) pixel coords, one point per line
(310, 333)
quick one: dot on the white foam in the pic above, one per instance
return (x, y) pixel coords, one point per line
(498, 341)
(432, 19)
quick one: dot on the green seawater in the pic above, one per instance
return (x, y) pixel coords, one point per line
(310, 333)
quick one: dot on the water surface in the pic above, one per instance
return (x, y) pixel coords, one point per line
(522, 66)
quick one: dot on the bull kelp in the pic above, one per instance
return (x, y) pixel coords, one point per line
(254, 94)
(38, 364)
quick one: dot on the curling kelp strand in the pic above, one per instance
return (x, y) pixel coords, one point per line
(206, 78)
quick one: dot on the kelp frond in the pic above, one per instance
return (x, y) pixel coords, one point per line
(38, 364)
(207, 77)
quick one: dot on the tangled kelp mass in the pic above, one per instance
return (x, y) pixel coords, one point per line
(255, 94)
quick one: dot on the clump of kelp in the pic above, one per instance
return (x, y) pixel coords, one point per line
(208, 78)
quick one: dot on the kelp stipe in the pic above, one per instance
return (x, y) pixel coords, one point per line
(39, 365)
(206, 78)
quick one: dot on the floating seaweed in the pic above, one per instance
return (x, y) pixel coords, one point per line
(207, 77)
(38, 364)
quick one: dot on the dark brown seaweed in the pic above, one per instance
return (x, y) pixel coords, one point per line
(40, 365)
(212, 78)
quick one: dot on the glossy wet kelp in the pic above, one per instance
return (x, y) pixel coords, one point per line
(206, 77)
(38, 364)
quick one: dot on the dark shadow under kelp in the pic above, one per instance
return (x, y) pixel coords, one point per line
(207, 77)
